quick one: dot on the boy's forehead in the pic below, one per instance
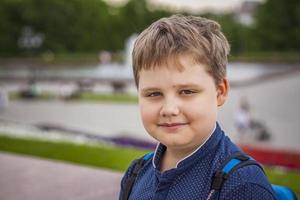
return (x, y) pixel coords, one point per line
(174, 62)
(181, 63)
(173, 75)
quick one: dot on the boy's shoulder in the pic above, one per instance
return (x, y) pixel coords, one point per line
(131, 174)
(245, 182)
(136, 166)
(249, 180)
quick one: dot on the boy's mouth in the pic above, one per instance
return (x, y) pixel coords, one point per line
(172, 127)
(172, 124)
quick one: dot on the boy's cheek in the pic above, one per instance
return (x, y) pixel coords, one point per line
(146, 113)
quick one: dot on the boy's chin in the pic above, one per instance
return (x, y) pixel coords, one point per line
(178, 145)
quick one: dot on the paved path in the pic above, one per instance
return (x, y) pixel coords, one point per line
(106, 119)
(28, 178)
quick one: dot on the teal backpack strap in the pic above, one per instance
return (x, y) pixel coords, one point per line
(132, 176)
(231, 164)
(234, 162)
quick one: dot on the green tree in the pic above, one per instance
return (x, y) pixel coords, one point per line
(237, 34)
(10, 22)
(67, 25)
(132, 18)
(278, 25)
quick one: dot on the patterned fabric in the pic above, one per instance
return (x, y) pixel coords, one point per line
(193, 176)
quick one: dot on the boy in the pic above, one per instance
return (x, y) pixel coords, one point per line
(179, 66)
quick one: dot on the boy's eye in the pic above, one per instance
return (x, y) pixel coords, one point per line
(187, 92)
(153, 94)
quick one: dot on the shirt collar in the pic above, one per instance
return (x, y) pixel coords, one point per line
(210, 142)
(201, 145)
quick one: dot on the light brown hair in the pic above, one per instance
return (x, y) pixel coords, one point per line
(168, 38)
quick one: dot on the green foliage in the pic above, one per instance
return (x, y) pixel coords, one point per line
(235, 33)
(10, 22)
(277, 29)
(68, 25)
(92, 25)
(278, 25)
(134, 17)
(71, 25)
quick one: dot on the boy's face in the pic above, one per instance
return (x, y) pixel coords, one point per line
(179, 108)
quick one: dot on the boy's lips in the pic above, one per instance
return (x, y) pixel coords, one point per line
(172, 127)
(171, 124)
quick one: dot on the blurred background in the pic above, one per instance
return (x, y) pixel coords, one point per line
(67, 92)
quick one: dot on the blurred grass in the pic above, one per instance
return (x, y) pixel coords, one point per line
(281, 176)
(86, 96)
(104, 156)
(41, 96)
(112, 157)
(118, 98)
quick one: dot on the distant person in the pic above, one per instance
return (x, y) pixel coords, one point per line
(179, 66)
(243, 119)
(249, 129)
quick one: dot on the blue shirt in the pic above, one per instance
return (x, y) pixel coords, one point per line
(192, 177)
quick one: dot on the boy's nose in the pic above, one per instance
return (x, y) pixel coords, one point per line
(169, 108)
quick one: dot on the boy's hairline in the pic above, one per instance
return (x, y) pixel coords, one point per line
(173, 62)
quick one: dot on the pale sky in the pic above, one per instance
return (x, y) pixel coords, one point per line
(193, 5)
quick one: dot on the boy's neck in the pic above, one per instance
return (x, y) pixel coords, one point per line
(171, 157)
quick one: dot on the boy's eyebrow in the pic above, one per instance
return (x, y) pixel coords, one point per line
(187, 85)
(149, 89)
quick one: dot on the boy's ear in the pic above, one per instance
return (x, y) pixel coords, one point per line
(222, 91)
